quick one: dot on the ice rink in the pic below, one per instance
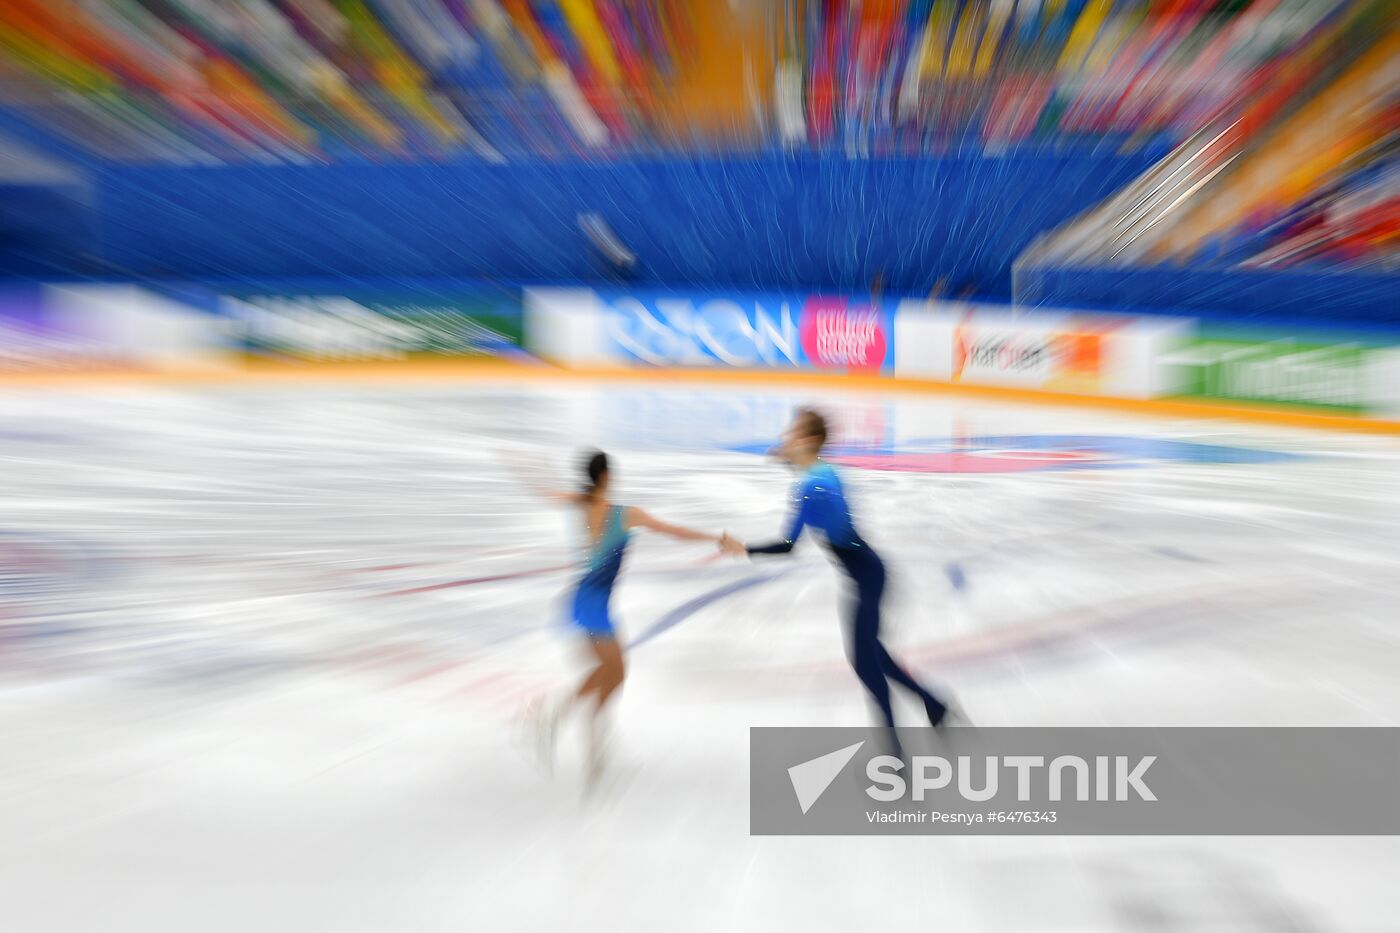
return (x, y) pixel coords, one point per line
(264, 651)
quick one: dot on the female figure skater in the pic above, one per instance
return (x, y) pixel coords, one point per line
(609, 530)
(821, 504)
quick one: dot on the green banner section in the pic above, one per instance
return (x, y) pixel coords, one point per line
(1355, 377)
(367, 325)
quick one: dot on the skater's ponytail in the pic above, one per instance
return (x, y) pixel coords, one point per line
(597, 469)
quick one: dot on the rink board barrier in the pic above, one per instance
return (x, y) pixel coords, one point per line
(86, 327)
(767, 330)
(364, 323)
(948, 342)
(1081, 354)
(1053, 351)
(1350, 373)
(106, 327)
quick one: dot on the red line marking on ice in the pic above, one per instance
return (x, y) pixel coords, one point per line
(471, 581)
(487, 680)
(373, 658)
(428, 673)
(534, 572)
(385, 568)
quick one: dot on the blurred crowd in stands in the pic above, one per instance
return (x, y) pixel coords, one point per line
(214, 82)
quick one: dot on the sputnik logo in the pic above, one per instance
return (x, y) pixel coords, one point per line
(810, 779)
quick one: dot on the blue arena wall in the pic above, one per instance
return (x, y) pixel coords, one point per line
(769, 220)
(1273, 296)
(902, 226)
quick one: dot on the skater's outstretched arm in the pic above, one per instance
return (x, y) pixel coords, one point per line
(558, 495)
(800, 513)
(638, 518)
(525, 473)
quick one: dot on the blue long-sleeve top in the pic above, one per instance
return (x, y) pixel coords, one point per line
(819, 502)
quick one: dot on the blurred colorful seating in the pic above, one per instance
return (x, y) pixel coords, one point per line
(214, 82)
(250, 80)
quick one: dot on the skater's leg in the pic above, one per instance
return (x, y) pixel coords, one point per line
(608, 676)
(865, 659)
(591, 685)
(869, 575)
(593, 693)
(592, 615)
(932, 705)
(598, 686)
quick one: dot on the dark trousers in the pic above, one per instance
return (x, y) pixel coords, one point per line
(872, 663)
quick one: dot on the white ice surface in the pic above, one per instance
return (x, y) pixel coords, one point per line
(257, 674)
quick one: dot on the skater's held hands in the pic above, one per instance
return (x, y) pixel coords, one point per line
(728, 544)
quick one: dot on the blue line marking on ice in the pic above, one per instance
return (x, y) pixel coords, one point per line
(684, 611)
(1179, 554)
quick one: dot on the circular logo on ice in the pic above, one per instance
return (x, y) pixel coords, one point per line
(838, 335)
